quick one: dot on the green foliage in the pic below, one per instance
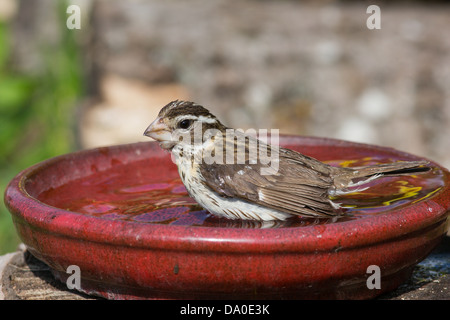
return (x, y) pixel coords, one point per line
(37, 114)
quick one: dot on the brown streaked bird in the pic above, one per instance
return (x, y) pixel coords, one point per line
(220, 171)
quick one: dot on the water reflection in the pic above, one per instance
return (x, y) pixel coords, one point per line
(132, 195)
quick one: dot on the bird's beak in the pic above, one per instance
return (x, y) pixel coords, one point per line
(158, 130)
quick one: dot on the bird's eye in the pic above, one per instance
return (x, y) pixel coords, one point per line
(184, 124)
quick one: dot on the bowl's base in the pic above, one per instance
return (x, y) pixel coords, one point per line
(353, 291)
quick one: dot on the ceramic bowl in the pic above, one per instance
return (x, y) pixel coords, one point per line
(131, 258)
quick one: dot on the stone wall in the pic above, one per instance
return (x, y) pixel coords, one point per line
(306, 68)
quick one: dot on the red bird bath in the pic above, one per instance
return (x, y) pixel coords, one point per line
(122, 215)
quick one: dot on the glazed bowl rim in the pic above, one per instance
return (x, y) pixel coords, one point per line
(313, 238)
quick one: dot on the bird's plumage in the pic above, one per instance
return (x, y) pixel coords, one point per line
(295, 188)
(233, 184)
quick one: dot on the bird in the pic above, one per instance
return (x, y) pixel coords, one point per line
(218, 167)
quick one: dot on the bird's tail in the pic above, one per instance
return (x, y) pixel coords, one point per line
(392, 169)
(346, 180)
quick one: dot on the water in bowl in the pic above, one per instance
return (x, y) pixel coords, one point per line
(134, 194)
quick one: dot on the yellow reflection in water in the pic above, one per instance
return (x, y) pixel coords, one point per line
(404, 191)
(428, 195)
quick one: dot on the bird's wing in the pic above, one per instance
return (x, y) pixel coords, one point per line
(297, 184)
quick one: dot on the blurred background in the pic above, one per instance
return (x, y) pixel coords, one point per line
(308, 68)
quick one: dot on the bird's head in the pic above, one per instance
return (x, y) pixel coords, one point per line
(179, 122)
